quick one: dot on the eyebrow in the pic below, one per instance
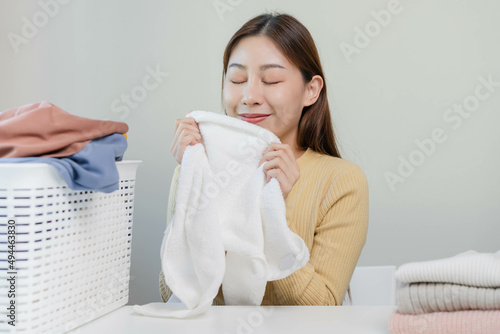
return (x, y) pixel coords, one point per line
(262, 68)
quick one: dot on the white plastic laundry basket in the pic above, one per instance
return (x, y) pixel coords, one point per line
(72, 250)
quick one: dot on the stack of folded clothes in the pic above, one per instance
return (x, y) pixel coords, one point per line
(82, 150)
(456, 295)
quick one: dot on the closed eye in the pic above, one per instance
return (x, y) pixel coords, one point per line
(271, 83)
(265, 83)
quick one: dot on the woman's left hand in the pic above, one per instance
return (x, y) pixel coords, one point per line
(282, 165)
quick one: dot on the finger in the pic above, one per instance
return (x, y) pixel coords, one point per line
(185, 119)
(184, 139)
(278, 174)
(271, 164)
(268, 156)
(190, 127)
(275, 168)
(279, 155)
(275, 147)
(192, 134)
(178, 121)
(188, 140)
(284, 147)
(191, 121)
(183, 127)
(285, 173)
(177, 135)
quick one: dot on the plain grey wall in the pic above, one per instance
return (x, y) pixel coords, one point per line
(397, 72)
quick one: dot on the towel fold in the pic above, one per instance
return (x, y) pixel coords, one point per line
(459, 322)
(224, 204)
(469, 268)
(44, 130)
(418, 298)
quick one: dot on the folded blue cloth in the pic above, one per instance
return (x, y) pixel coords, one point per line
(92, 168)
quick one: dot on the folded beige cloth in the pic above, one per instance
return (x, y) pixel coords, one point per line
(418, 298)
(44, 130)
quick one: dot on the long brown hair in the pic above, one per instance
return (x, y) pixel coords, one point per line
(296, 43)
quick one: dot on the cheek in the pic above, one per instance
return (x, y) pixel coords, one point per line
(229, 97)
(277, 98)
(287, 97)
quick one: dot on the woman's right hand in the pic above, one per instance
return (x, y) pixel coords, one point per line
(187, 132)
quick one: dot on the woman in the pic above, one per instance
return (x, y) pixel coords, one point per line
(272, 77)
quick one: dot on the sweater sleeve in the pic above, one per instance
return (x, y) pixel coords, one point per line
(339, 238)
(165, 292)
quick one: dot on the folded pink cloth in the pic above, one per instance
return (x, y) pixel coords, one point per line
(458, 322)
(45, 130)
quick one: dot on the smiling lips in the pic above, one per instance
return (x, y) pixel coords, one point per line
(253, 118)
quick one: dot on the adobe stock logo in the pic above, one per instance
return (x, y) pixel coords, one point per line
(222, 6)
(363, 38)
(30, 28)
(454, 115)
(254, 320)
(139, 93)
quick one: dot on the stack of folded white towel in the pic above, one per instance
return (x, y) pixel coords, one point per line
(456, 295)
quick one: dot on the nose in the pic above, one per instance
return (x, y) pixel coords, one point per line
(252, 95)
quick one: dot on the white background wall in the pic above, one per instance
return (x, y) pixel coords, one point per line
(394, 91)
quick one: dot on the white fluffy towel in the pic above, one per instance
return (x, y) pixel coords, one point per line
(224, 204)
(469, 268)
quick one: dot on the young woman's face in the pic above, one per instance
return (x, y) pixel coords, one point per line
(261, 81)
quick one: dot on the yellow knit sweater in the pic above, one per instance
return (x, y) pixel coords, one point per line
(328, 208)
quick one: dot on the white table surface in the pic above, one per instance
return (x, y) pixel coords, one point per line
(250, 320)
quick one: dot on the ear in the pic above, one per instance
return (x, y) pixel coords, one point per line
(313, 88)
